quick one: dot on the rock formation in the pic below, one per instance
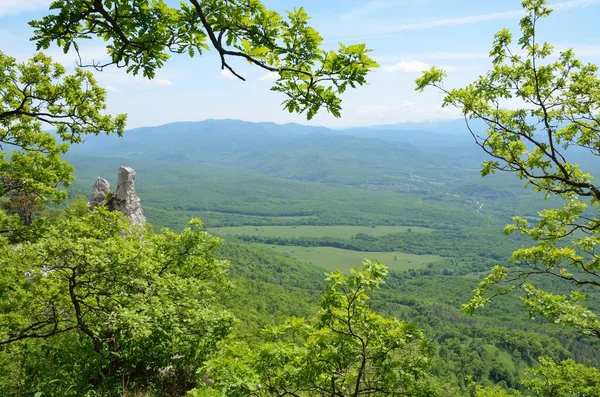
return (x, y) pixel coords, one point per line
(100, 192)
(124, 199)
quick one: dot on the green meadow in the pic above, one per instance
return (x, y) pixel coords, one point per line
(316, 231)
(332, 259)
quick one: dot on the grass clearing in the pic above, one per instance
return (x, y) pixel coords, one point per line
(339, 259)
(315, 231)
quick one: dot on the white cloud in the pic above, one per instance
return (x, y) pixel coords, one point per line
(434, 23)
(10, 7)
(399, 112)
(89, 54)
(432, 56)
(162, 82)
(460, 20)
(454, 55)
(567, 5)
(117, 79)
(395, 29)
(407, 67)
(270, 76)
(580, 51)
(584, 50)
(374, 5)
(226, 74)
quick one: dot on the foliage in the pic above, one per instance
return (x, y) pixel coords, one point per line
(550, 379)
(222, 196)
(270, 287)
(90, 304)
(539, 142)
(346, 350)
(142, 34)
(558, 118)
(123, 303)
(267, 288)
(465, 242)
(566, 378)
(35, 94)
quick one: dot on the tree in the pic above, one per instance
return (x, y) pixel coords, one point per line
(39, 94)
(563, 379)
(25, 205)
(141, 35)
(135, 306)
(556, 124)
(550, 379)
(346, 350)
(88, 302)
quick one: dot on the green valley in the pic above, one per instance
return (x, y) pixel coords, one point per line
(332, 259)
(283, 232)
(142, 255)
(316, 231)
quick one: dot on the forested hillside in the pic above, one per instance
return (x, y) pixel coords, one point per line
(294, 204)
(235, 258)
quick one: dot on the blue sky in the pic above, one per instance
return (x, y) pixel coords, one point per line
(406, 36)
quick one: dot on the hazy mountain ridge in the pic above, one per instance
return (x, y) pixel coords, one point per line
(293, 151)
(426, 168)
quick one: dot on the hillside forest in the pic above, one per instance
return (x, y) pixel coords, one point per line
(448, 258)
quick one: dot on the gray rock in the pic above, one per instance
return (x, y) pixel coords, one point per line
(125, 199)
(100, 193)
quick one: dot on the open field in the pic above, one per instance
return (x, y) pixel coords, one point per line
(339, 259)
(315, 231)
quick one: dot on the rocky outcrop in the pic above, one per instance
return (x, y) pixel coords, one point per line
(124, 199)
(100, 193)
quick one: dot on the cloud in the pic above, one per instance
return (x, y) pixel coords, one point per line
(584, 50)
(460, 20)
(580, 51)
(162, 82)
(432, 56)
(467, 20)
(270, 76)
(94, 53)
(567, 5)
(455, 55)
(227, 75)
(371, 6)
(115, 80)
(407, 67)
(401, 112)
(10, 7)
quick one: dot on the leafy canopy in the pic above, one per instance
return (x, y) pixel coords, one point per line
(141, 35)
(557, 117)
(345, 350)
(37, 95)
(136, 303)
(539, 141)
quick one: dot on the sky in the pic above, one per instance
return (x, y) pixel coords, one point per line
(406, 36)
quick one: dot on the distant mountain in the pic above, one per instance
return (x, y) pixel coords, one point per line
(139, 141)
(405, 160)
(446, 133)
(452, 126)
(181, 163)
(418, 137)
(363, 157)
